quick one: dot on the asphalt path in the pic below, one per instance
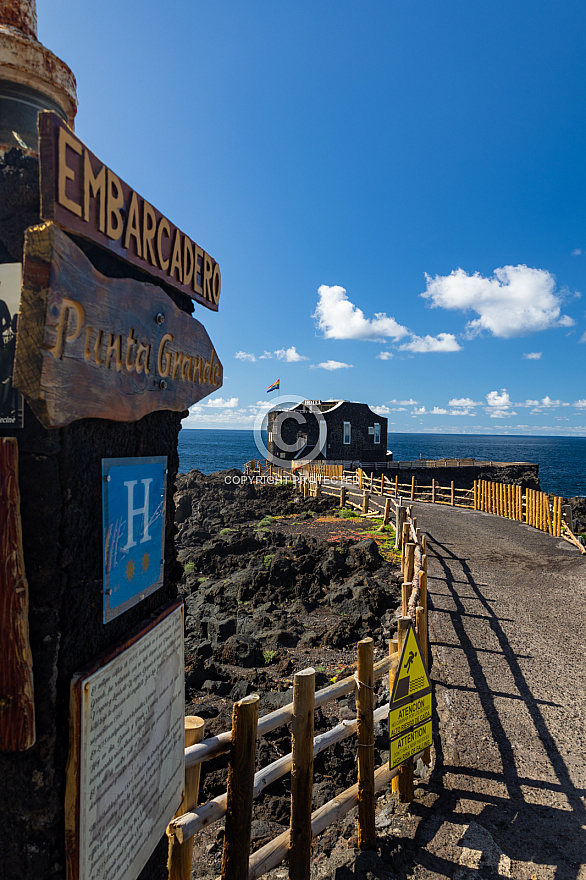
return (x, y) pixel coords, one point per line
(507, 630)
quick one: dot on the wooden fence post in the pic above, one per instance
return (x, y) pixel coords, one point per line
(400, 514)
(342, 496)
(409, 561)
(557, 516)
(387, 513)
(412, 488)
(393, 648)
(405, 775)
(365, 714)
(365, 502)
(405, 596)
(240, 789)
(452, 494)
(433, 491)
(301, 773)
(382, 484)
(404, 541)
(180, 854)
(396, 485)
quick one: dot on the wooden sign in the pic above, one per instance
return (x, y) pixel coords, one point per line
(17, 704)
(82, 195)
(126, 766)
(95, 347)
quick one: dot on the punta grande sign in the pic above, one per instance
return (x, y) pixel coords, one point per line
(95, 347)
(84, 196)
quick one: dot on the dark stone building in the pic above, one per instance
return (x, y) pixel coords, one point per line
(333, 430)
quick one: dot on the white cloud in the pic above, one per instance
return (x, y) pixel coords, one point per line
(577, 252)
(424, 344)
(462, 401)
(532, 356)
(409, 402)
(290, 355)
(338, 318)
(547, 401)
(331, 365)
(581, 404)
(517, 300)
(385, 355)
(501, 413)
(381, 409)
(582, 338)
(493, 398)
(438, 411)
(221, 403)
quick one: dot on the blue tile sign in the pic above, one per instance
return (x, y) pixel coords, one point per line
(134, 492)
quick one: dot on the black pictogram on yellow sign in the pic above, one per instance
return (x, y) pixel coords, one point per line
(411, 680)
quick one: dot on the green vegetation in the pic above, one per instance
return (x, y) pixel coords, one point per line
(346, 513)
(265, 521)
(267, 560)
(226, 531)
(189, 566)
(268, 656)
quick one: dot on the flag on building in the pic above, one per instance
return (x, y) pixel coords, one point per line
(274, 387)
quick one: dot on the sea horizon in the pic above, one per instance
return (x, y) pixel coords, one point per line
(561, 459)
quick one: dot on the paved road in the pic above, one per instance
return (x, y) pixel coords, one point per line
(508, 634)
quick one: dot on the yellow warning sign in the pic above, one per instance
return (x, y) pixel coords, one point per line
(411, 676)
(405, 717)
(409, 744)
(410, 706)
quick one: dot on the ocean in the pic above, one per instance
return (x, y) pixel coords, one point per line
(561, 460)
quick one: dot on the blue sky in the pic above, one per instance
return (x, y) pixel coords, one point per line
(395, 193)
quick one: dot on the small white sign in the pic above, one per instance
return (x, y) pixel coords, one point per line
(131, 753)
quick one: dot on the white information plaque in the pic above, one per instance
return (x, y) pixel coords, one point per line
(126, 768)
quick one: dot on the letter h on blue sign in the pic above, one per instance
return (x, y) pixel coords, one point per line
(133, 501)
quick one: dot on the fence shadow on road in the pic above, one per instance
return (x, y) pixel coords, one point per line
(549, 836)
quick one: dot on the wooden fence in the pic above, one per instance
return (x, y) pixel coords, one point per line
(537, 509)
(244, 784)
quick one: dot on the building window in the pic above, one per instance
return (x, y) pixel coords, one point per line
(347, 433)
(376, 432)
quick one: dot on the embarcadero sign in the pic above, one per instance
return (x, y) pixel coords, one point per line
(95, 347)
(82, 195)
